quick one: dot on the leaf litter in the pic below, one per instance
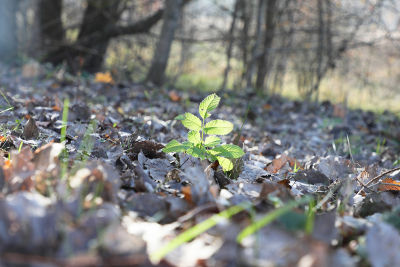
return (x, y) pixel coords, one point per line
(315, 187)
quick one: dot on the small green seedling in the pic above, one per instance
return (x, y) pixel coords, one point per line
(296, 169)
(209, 148)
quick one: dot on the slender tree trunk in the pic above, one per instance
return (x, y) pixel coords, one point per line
(156, 73)
(8, 29)
(246, 8)
(320, 50)
(51, 30)
(254, 50)
(230, 45)
(269, 37)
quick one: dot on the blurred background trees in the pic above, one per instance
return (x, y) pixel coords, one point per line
(314, 49)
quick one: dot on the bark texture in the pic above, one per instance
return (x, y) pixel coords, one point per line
(268, 40)
(156, 73)
(51, 30)
(8, 29)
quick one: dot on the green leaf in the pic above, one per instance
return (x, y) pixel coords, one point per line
(194, 137)
(175, 146)
(229, 151)
(219, 127)
(208, 104)
(191, 122)
(180, 117)
(212, 141)
(196, 152)
(225, 163)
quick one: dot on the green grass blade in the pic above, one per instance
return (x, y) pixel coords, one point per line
(6, 110)
(270, 217)
(64, 153)
(197, 230)
(64, 120)
(308, 228)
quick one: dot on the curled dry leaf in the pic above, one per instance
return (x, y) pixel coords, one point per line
(31, 131)
(385, 186)
(277, 164)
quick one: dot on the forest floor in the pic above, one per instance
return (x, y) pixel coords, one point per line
(307, 192)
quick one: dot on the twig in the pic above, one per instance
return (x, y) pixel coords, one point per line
(364, 186)
(184, 163)
(377, 178)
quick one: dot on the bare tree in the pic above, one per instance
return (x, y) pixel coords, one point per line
(156, 73)
(8, 40)
(230, 45)
(255, 48)
(268, 40)
(52, 33)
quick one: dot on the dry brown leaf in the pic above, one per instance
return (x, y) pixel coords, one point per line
(31, 131)
(104, 77)
(277, 164)
(285, 183)
(174, 96)
(187, 192)
(385, 187)
(57, 104)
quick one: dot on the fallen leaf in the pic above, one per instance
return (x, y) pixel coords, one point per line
(285, 183)
(31, 131)
(384, 187)
(57, 104)
(174, 96)
(215, 165)
(187, 192)
(104, 77)
(277, 164)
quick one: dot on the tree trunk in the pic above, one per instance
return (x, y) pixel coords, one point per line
(320, 50)
(254, 50)
(8, 29)
(230, 45)
(269, 37)
(51, 30)
(99, 15)
(156, 73)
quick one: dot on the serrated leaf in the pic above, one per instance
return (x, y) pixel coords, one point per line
(212, 141)
(194, 137)
(226, 164)
(229, 151)
(175, 146)
(191, 122)
(208, 104)
(219, 127)
(180, 117)
(196, 152)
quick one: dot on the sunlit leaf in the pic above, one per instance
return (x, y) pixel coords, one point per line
(212, 141)
(230, 151)
(219, 127)
(175, 146)
(208, 104)
(191, 122)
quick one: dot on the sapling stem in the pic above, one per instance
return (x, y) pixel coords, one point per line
(243, 123)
